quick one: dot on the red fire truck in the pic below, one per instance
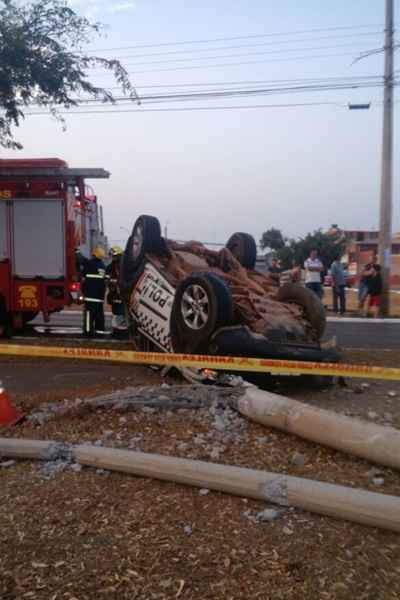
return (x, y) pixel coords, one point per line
(46, 214)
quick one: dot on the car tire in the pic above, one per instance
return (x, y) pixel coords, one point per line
(144, 239)
(312, 305)
(244, 248)
(202, 304)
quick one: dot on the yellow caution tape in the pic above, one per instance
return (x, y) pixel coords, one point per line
(198, 361)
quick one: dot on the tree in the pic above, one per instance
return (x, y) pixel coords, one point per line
(42, 62)
(272, 238)
(328, 244)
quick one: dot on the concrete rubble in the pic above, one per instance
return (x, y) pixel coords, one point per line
(148, 399)
(263, 516)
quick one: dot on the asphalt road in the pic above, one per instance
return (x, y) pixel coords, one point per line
(365, 333)
(350, 332)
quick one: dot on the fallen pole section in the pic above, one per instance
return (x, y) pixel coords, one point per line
(359, 506)
(32, 449)
(198, 361)
(377, 443)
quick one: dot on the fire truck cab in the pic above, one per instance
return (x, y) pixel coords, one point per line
(46, 215)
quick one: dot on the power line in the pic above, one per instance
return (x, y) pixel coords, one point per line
(192, 108)
(216, 94)
(239, 55)
(207, 95)
(236, 64)
(240, 37)
(248, 82)
(258, 45)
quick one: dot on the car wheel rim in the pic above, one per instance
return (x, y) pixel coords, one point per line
(195, 307)
(137, 241)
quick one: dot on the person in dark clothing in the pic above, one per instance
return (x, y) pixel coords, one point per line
(366, 274)
(374, 286)
(93, 289)
(338, 286)
(119, 326)
(5, 320)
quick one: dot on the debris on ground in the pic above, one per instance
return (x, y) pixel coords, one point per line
(145, 398)
(298, 459)
(80, 534)
(268, 514)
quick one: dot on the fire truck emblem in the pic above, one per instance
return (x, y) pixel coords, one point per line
(27, 296)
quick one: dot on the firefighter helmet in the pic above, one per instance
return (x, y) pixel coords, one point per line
(116, 251)
(99, 252)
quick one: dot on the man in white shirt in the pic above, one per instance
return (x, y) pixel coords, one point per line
(313, 267)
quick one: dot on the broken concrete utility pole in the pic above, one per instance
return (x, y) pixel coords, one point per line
(377, 443)
(360, 506)
(356, 505)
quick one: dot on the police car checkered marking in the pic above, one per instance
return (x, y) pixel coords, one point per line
(151, 305)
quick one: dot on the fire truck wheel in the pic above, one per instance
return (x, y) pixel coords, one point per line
(311, 304)
(202, 304)
(243, 248)
(144, 239)
(28, 316)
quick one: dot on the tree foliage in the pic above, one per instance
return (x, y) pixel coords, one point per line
(272, 238)
(42, 62)
(328, 244)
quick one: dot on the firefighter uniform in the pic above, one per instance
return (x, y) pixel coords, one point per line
(93, 289)
(114, 293)
(5, 320)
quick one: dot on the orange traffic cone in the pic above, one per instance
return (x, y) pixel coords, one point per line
(8, 414)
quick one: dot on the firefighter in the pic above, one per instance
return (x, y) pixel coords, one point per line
(114, 294)
(93, 289)
(5, 321)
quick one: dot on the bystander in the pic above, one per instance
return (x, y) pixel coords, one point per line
(295, 274)
(314, 267)
(365, 275)
(374, 291)
(338, 286)
(274, 271)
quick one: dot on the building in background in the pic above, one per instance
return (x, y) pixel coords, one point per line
(361, 244)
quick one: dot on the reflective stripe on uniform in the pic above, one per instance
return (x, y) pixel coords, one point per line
(117, 301)
(93, 300)
(93, 276)
(87, 322)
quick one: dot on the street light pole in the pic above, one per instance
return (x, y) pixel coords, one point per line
(385, 229)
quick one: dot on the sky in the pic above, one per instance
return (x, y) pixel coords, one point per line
(208, 173)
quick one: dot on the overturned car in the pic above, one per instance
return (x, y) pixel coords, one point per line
(183, 297)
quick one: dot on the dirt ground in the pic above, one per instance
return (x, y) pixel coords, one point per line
(84, 535)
